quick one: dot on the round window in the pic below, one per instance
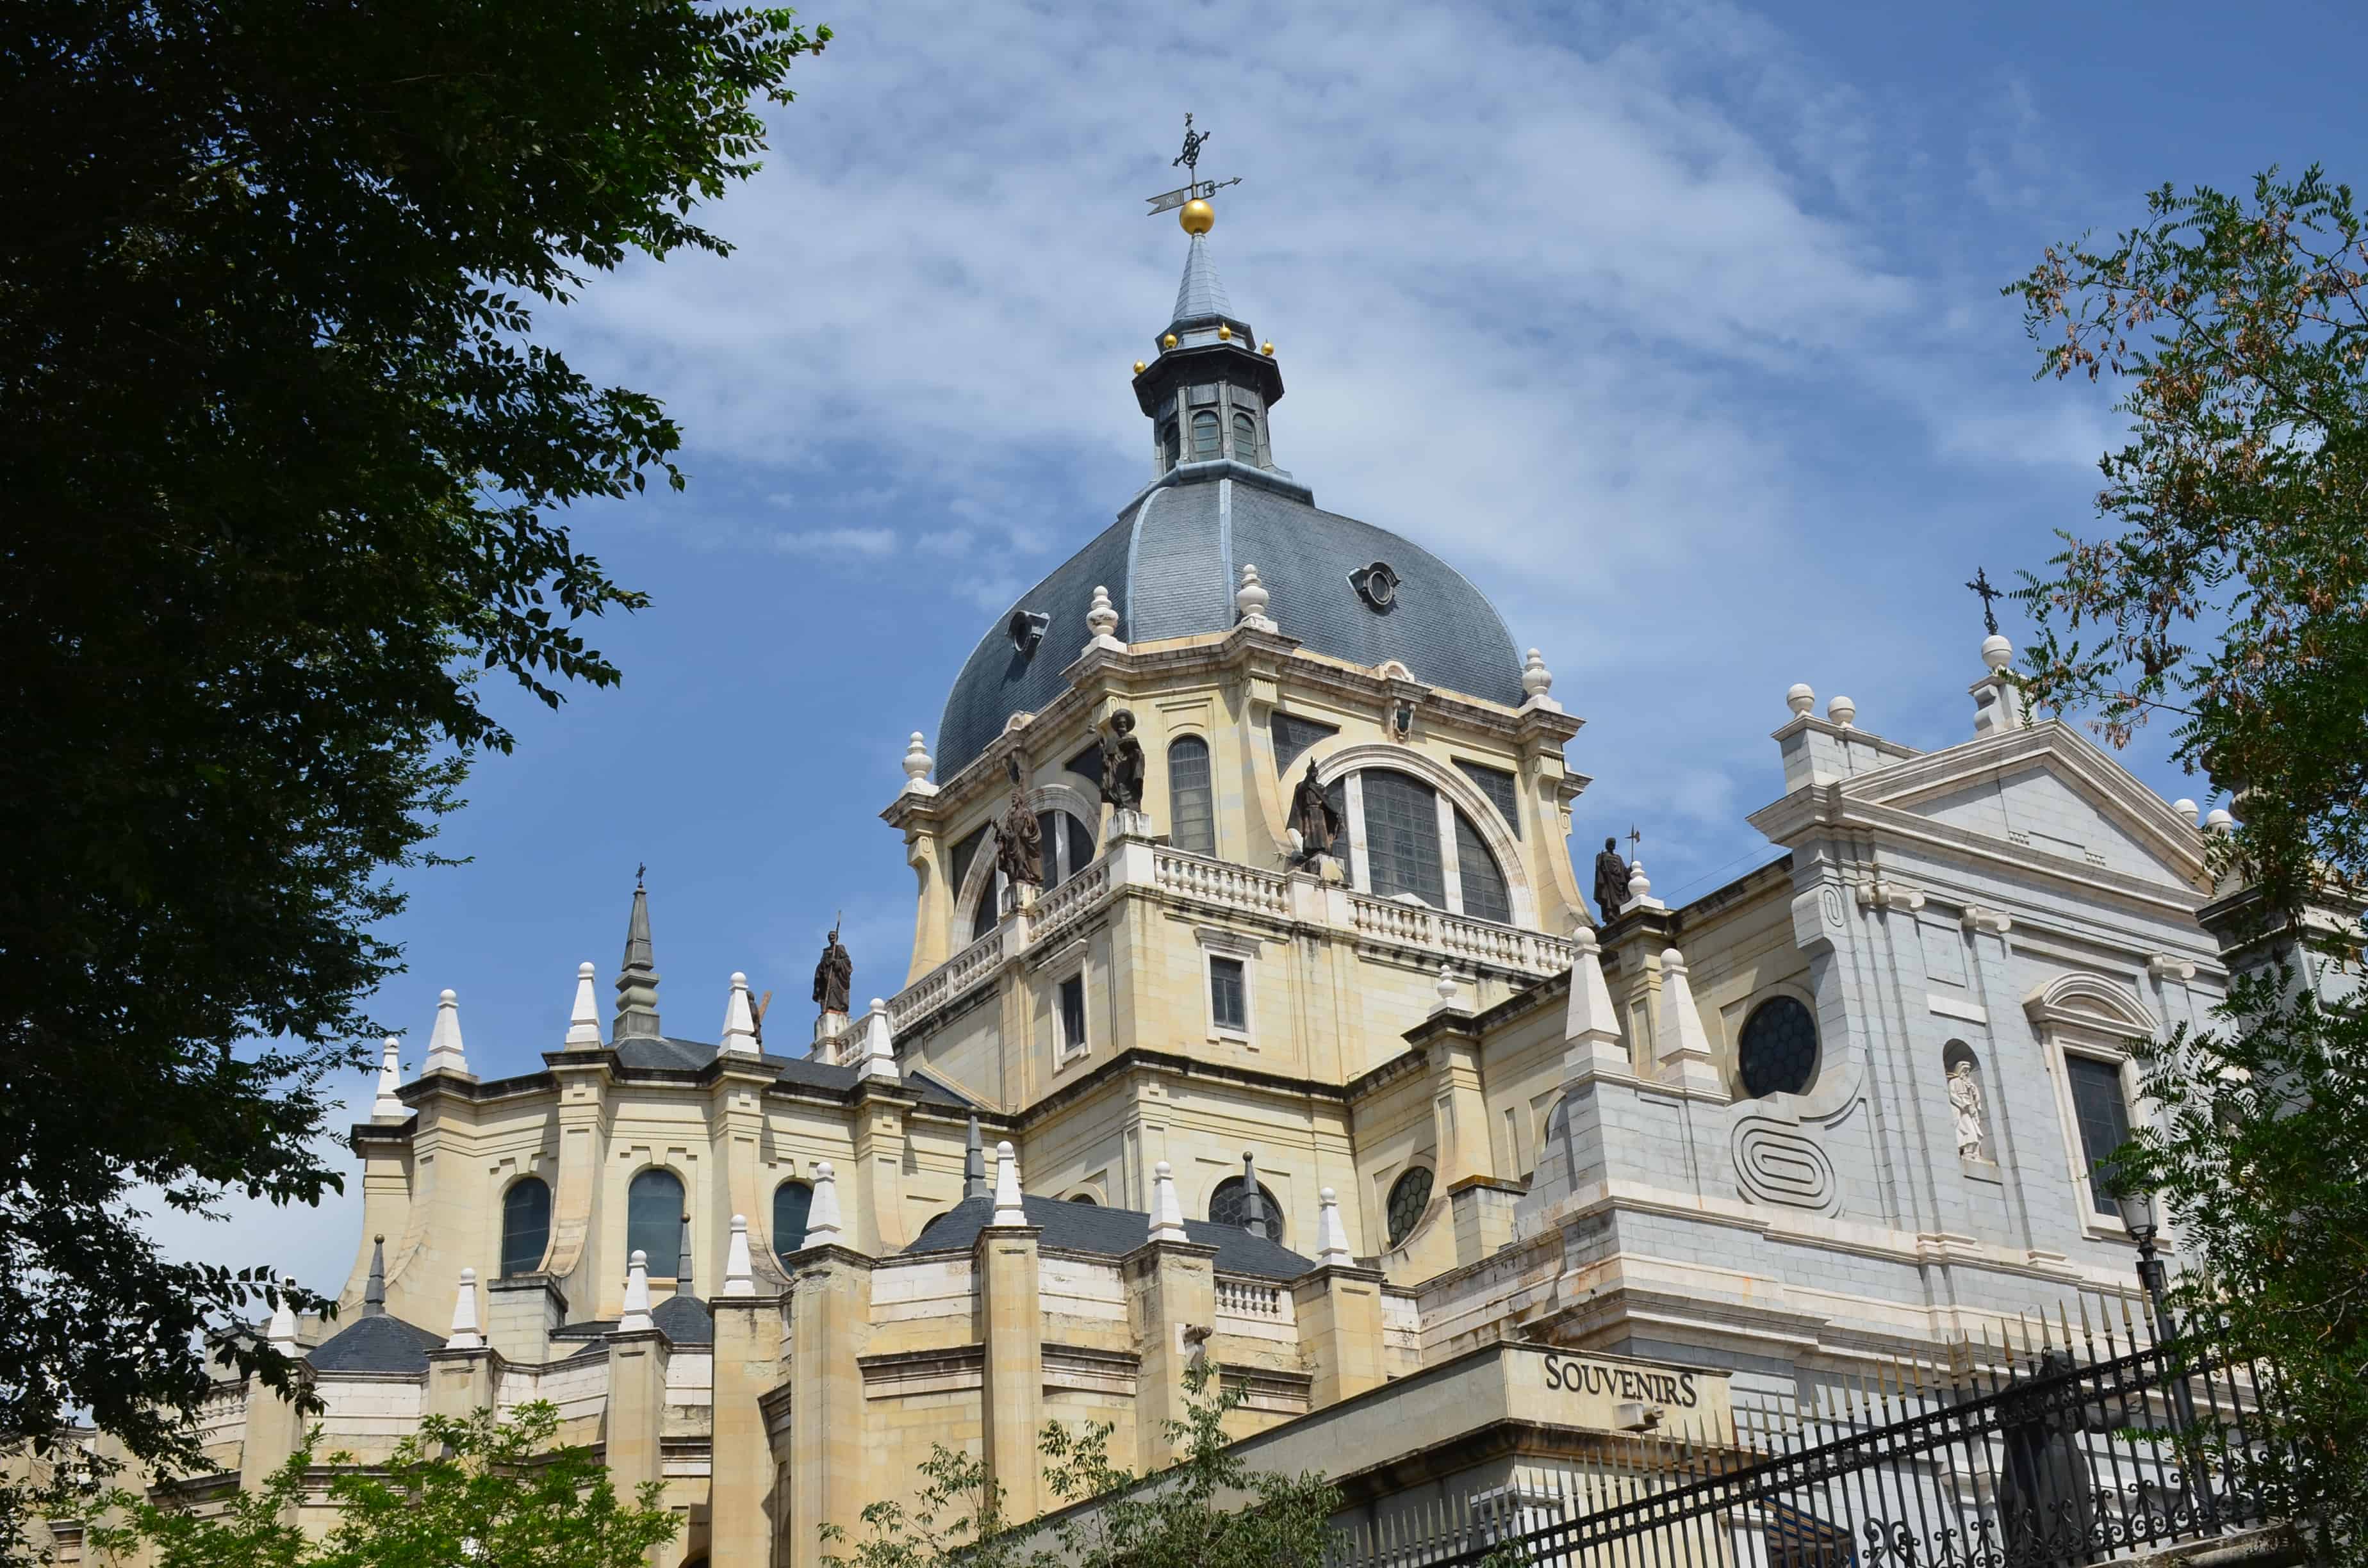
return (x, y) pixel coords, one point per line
(1778, 1053)
(1409, 1196)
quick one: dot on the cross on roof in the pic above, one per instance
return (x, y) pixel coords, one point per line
(1981, 585)
(1196, 188)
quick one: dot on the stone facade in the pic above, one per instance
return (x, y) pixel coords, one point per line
(1537, 1182)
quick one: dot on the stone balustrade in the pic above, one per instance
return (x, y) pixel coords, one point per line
(1177, 876)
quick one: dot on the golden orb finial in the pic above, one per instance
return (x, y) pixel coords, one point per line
(1197, 216)
(1267, 348)
(1225, 333)
(1138, 367)
(1168, 341)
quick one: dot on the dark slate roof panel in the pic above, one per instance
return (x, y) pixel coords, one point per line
(376, 1343)
(1173, 574)
(1113, 1232)
(685, 1320)
(672, 1055)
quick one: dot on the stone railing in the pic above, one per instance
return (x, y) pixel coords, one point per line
(1183, 878)
(1229, 886)
(1248, 1299)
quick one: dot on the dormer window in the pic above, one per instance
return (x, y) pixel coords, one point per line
(1245, 446)
(1205, 443)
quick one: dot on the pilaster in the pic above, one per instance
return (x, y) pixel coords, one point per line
(1011, 1403)
(460, 1381)
(744, 1516)
(1338, 1310)
(880, 1128)
(1458, 1109)
(584, 1077)
(275, 1429)
(520, 1312)
(830, 1308)
(1171, 1289)
(637, 1374)
(1637, 940)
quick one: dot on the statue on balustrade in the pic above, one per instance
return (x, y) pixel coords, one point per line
(1314, 815)
(1121, 764)
(1019, 840)
(1611, 880)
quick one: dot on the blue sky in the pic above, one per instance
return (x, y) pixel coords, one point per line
(1676, 327)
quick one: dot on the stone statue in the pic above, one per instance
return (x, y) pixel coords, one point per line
(1611, 880)
(833, 975)
(1122, 764)
(1019, 841)
(1966, 1105)
(1313, 814)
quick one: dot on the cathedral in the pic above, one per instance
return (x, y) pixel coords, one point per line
(1258, 1015)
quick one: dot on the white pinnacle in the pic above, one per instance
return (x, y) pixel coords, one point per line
(1801, 699)
(636, 1316)
(1250, 600)
(917, 763)
(1101, 621)
(1538, 682)
(280, 1334)
(877, 1043)
(444, 1053)
(1167, 1211)
(1842, 712)
(389, 1106)
(739, 1275)
(1640, 886)
(823, 1223)
(1590, 1030)
(739, 1020)
(1007, 1207)
(1685, 1047)
(465, 1335)
(584, 1018)
(1331, 1236)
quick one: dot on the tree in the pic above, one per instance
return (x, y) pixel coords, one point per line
(2234, 598)
(286, 468)
(479, 1490)
(1208, 1510)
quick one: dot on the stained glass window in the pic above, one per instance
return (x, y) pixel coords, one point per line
(1229, 1205)
(1486, 896)
(1498, 785)
(1292, 736)
(653, 1221)
(1409, 1196)
(1778, 1051)
(1191, 817)
(2104, 1118)
(526, 1225)
(1402, 837)
(792, 1201)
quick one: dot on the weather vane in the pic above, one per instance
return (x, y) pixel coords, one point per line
(1981, 585)
(1189, 160)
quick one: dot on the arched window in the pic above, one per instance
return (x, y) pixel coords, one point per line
(1777, 1053)
(1486, 896)
(1085, 1197)
(1402, 837)
(792, 1200)
(1229, 1205)
(1409, 1196)
(1170, 450)
(1245, 436)
(1191, 815)
(1204, 436)
(653, 1221)
(989, 909)
(526, 1225)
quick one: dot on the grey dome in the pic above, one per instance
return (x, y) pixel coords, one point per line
(1171, 564)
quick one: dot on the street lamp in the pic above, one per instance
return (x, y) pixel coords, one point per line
(2138, 1215)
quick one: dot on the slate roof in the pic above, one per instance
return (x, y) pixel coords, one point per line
(1199, 296)
(376, 1343)
(685, 1320)
(1113, 1232)
(1171, 564)
(671, 1055)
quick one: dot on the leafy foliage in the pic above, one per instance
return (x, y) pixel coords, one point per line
(286, 468)
(2235, 597)
(1208, 1510)
(478, 1489)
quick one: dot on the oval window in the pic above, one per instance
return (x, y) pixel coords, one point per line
(1777, 1054)
(1409, 1196)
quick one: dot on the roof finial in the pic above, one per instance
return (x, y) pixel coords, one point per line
(464, 1334)
(635, 1317)
(584, 1018)
(374, 1287)
(637, 977)
(444, 1053)
(682, 1261)
(1198, 216)
(1008, 1210)
(1981, 585)
(1253, 1198)
(824, 1225)
(389, 1106)
(281, 1332)
(739, 1274)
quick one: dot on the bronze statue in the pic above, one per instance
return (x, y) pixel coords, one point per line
(1122, 764)
(833, 975)
(1313, 814)
(1019, 840)
(1611, 880)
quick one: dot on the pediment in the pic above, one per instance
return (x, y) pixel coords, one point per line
(2044, 790)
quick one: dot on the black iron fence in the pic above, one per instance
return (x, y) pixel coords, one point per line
(2076, 1445)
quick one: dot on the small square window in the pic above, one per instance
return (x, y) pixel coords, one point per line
(1073, 1015)
(1228, 995)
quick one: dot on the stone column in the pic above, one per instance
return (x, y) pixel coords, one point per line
(1171, 1289)
(274, 1430)
(1006, 1266)
(880, 1114)
(637, 1376)
(830, 1309)
(743, 1515)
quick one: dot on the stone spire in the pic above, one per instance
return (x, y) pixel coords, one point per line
(444, 1052)
(389, 1106)
(464, 1334)
(374, 1287)
(1253, 1200)
(739, 1020)
(584, 1018)
(739, 1272)
(823, 1226)
(1590, 1029)
(637, 978)
(974, 1163)
(876, 1045)
(1167, 1210)
(1685, 1055)
(1331, 1235)
(635, 1319)
(1008, 1210)
(1199, 297)
(682, 1260)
